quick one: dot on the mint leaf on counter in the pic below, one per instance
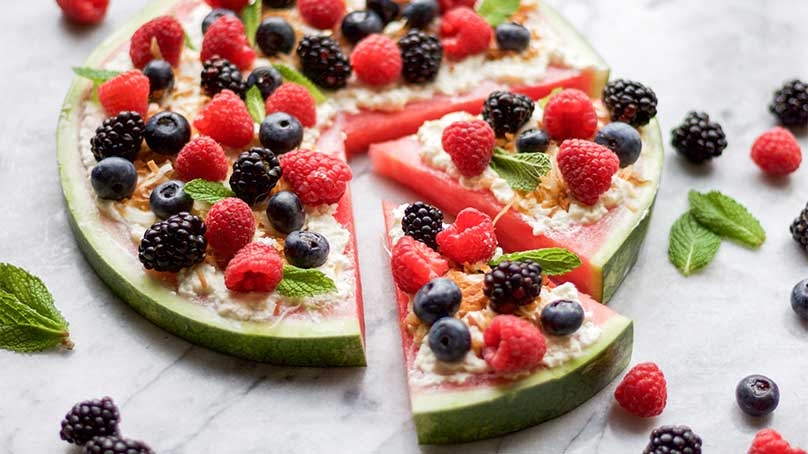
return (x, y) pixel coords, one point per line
(207, 191)
(291, 75)
(255, 104)
(691, 246)
(553, 261)
(496, 12)
(98, 76)
(724, 216)
(522, 171)
(251, 16)
(300, 283)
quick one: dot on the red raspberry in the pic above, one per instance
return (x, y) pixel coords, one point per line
(315, 177)
(470, 145)
(569, 114)
(777, 152)
(464, 33)
(322, 14)
(202, 158)
(295, 100)
(470, 239)
(643, 391)
(513, 344)
(768, 441)
(256, 268)
(376, 60)
(414, 264)
(169, 35)
(587, 168)
(230, 227)
(85, 12)
(446, 5)
(128, 91)
(227, 39)
(226, 119)
(232, 5)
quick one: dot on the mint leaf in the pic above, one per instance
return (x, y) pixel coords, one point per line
(255, 104)
(207, 191)
(553, 261)
(98, 76)
(522, 171)
(691, 246)
(543, 101)
(188, 42)
(724, 216)
(251, 16)
(291, 75)
(300, 283)
(496, 12)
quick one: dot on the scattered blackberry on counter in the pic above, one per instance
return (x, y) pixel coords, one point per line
(421, 55)
(562, 318)
(161, 78)
(173, 244)
(507, 112)
(757, 395)
(439, 298)
(532, 141)
(512, 36)
(88, 419)
(116, 445)
(623, 140)
(285, 212)
(167, 132)
(790, 104)
(219, 74)
(119, 136)
(421, 13)
(279, 3)
(698, 139)
(423, 222)
(323, 62)
(360, 24)
(266, 78)
(799, 229)
(306, 249)
(386, 9)
(449, 339)
(275, 36)
(673, 440)
(169, 198)
(512, 284)
(799, 299)
(630, 102)
(280, 132)
(213, 16)
(255, 173)
(114, 178)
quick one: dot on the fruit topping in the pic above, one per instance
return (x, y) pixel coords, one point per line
(464, 33)
(513, 345)
(278, 3)
(162, 33)
(562, 318)
(227, 39)
(768, 441)
(587, 169)
(306, 249)
(757, 395)
(446, 5)
(421, 56)
(315, 177)
(285, 212)
(280, 132)
(126, 92)
(673, 440)
(449, 339)
(275, 36)
(420, 13)
(202, 158)
(569, 114)
(116, 445)
(470, 144)
(257, 267)
(423, 222)
(233, 5)
(386, 9)
(439, 298)
(799, 299)
(161, 79)
(643, 391)
(790, 104)
(376, 60)
(532, 141)
(322, 61)
(266, 78)
(777, 152)
(230, 227)
(84, 12)
(114, 178)
(173, 244)
(322, 14)
(623, 140)
(214, 15)
(255, 174)
(88, 419)
(471, 239)
(507, 112)
(510, 285)
(630, 102)
(512, 36)
(219, 74)
(170, 198)
(356, 25)
(698, 139)
(295, 100)
(226, 119)
(414, 264)
(121, 136)
(167, 132)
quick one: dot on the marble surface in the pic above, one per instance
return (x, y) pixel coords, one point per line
(706, 331)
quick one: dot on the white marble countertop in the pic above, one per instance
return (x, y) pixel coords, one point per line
(706, 332)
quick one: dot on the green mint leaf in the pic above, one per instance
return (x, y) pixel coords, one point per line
(543, 101)
(255, 104)
(496, 12)
(522, 171)
(30, 291)
(291, 75)
(691, 246)
(188, 42)
(207, 191)
(98, 76)
(726, 217)
(300, 283)
(553, 261)
(251, 16)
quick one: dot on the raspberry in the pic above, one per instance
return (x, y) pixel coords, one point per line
(126, 92)
(169, 36)
(202, 158)
(316, 178)
(322, 14)
(464, 33)
(570, 114)
(85, 12)
(470, 145)
(257, 267)
(587, 168)
(226, 119)
(414, 264)
(231, 226)
(643, 391)
(777, 152)
(227, 39)
(768, 441)
(376, 60)
(295, 100)
(470, 239)
(513, 344)
(232, 5)
(446, 5)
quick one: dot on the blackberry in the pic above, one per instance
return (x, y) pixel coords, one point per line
(423, 222)
(323, 62)
(698, 138)
(790, 104)
(512, 284)
(255, 173)
(630, 102)
(799, 228)
(507, 112)
(119, 136)
(116, 445)
(219, 74)
(88, 419)
(422, 55)
(173, 244)
(278, 3)
(673, 440)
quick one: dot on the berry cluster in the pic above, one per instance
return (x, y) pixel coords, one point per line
(93, 424)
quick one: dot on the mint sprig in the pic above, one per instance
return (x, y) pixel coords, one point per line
(255, 104)
(553, 261)
(496, 12)
(189, 43)
(98, 76)
(724, 216)
(522, 171)
(292, 75)
(301, 283)
(207, 191)
(691, 246)
(251, 16)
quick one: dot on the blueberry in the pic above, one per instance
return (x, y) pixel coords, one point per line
(306, 249)
(512, 36)
(757, 395)
(562, 318)
(386, 9)
(161, 78)
(275, 36)
(167, 132)
(799, 299)
(623, 140)
(438, 298)
(449, 339)
(266, 78)
(213, 16)
(169, 198)
(280, 132)
(420, 13)
(359, 24)
(114, 178)
(285, 212)
(532, 141)
(278, 3)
